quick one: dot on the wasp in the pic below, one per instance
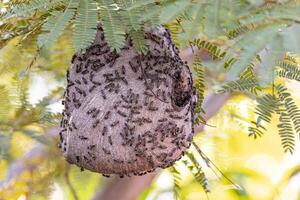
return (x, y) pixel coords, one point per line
(92, 88)
(162, 147)
(95, 124)
(115, 123)
(78, 90)
(73, 58)
(95, 114)
(133, 67)
(121, 113)
(147, 120)
(117, 104)
(104, 131)
(110, 140)
(85, 72)
(83, 93)
(70, 84)
(84, 80)
(73, 125)
(175, 116)
(152, 108)
(103, 94)
(78, 82)
(162, 120)
(91, 111)
(123, 70)
(123, 98)
(78, 68)
(83, 137)
(77, 105)
(107, 115)
(90, 147)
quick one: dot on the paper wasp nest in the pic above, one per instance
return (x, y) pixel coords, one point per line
(126, 113)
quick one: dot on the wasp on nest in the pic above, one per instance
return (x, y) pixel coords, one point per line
(127, 113)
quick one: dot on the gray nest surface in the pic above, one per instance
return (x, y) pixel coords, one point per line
(127, 113)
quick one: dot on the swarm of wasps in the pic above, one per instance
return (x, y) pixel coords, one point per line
(127, 113)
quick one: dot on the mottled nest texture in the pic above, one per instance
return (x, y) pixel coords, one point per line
(127, 113)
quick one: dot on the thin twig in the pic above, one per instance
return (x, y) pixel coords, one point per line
(208, 162)
(73, 191)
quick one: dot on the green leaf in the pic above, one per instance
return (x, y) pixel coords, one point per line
(195, 23)
(139, 4)
(212, 21)
(251, 44)
(112, 26)
(266, 106)
(56, 24)
(139, 41)
(130, 17)
(214, 51)
(26, 9)
(173, 10)
(291, 107)
(194, 166)
(177, 182)
(286, 131)
(240, 85)
(85, 24)
(200, 90)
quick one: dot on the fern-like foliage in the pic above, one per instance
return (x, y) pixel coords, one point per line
(175, 30)
(139, 41)
(266, 106)
(214, 51)
(247, 82)
(291, 108)
(240, 30)
(135, 28)
(29, 8)
(288, 75)
(194, 166)
(130, 15)
(286, 131)
(284, 106)
(113, 28)
(177, 182)
(56, 23)
(233, 19)
(288, 69)
(148, 9)
(171, 10)
(195, 24)
(240, 85)
(85, 24)
(199, 89)
(251, 49)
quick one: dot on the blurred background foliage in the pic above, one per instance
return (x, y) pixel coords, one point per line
(228, 36)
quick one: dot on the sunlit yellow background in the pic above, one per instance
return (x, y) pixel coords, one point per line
(258, 168)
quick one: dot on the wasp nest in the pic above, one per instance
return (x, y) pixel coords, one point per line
(126, 113)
